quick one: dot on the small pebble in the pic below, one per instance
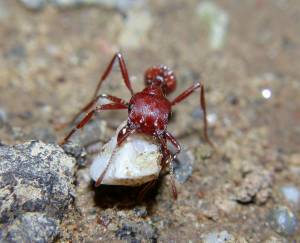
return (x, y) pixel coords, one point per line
(140, 211)
(137, 232)
(291, 194)
(212, 118)
(217, 20)
(34, 4)
(266, 93)
(122, 5)
(183, 167)
(218, 237)
(3, 117)
(283, 221)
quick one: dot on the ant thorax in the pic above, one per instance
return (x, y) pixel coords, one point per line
(149, 111)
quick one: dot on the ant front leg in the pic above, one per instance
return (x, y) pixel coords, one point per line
(117, 57)
(87, 118)
(187, 93)
(168, 158)
(124, 133)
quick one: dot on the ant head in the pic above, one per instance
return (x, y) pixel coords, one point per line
(161, 76)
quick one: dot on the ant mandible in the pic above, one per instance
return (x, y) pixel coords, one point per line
(149, 111)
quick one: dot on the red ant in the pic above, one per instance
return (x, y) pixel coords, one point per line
(149, 111)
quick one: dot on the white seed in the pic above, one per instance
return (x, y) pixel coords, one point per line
(134, 163)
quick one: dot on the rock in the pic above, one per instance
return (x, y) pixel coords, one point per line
(76, 151)
(34, 4)
(283, 221)
(136, 232)
(256, 187)
(217, 20)
(31, 227)
(34, 177)
(183, 167)
(291, 194)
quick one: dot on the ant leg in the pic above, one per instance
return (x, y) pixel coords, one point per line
(118, 56)
(86, 119)
(123, 134)
(185, 94)
(123, 69)
(145, 189)
(168, 158)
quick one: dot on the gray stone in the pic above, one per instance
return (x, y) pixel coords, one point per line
(76, 151)
(140, 211)
(121, 5)
(31, 227)
(34, 177)
(3, 117)
(136, 232)
(118, 4)
(34, 4)
(291, 194)
(183, 167)
(283, 221)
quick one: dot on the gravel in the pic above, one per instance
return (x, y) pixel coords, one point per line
(36, 185)
(283, 221)
(137, 232)
(31, 227)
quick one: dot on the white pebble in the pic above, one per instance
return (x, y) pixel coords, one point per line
(291, 193)
(266, 93)
(134, 163)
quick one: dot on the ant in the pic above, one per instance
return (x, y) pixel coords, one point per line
(149, 111)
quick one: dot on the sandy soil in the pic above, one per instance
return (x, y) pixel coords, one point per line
(50, 63)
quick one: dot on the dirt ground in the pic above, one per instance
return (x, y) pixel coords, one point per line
(51, 60)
